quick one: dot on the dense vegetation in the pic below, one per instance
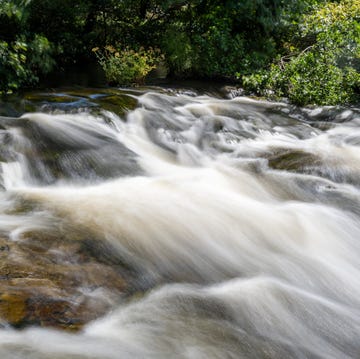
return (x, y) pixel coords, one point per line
(305, 50)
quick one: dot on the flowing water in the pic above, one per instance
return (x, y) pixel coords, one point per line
(241, 218)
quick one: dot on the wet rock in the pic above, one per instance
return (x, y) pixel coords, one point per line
(80, 153)
(113, 100)
(63, 102)
(14, 106)
(59, 282)
(50, 97)
(293, 160)
(298, 161)
(13, 306)
(117, 103)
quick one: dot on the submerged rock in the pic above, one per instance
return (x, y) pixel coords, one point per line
(294, 160)
(116, 103)
(59, 282)
(49, 148)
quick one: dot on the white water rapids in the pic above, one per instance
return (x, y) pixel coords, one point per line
(245, 214)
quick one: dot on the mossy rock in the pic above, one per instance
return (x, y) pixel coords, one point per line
(117, 103)
(113, 100)
(50, 97)
(294, 161)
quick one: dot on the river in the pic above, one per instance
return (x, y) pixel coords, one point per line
(236, 221)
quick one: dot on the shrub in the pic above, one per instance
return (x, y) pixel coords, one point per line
(22, 61)
(314, 78)
(180, 52)
(326, 72)
(13, 71)
(124, 67)
(24, 56)
(216, 39)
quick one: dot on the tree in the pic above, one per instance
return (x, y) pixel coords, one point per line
(23, 55)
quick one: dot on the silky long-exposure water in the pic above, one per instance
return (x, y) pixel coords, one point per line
(237, 219)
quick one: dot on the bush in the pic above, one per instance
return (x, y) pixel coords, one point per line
(125, 67)
(216, 39)
(221, 53)
(180, 53)
(13, 72)
(24, 56)
(22, 61)
(326, 72)
(314, 78)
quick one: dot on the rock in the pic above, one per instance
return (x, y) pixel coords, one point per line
(113, 100)
(60, 282)
(13, 306)
(117, 103)
(294, 161)
(49, 157)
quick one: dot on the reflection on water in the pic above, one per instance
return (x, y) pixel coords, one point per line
(186, 225)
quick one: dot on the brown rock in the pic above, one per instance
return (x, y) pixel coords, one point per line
(58, 281)
(13, 307)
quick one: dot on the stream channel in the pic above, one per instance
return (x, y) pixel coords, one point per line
(167, 222)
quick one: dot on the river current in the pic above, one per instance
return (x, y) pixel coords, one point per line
(242, 217)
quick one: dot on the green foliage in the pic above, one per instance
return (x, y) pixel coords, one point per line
(180, 53)
(256, 83)
(22, 61)
(327, 72)
(127, 66)
(23, 56)
(13, 72)
(62, 22)
(314, 78)
(40, 60)
(220, 38)
(220, 53)
(306, 50)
